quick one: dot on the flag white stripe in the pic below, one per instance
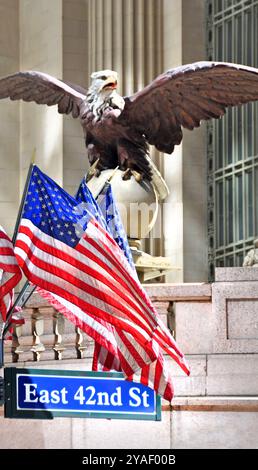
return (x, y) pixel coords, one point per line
(8, 260)
(5, 243)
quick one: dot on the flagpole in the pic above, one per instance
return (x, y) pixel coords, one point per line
(16, 228)
(24, 195)
(21, 299)
(2, 348)
(106, 183)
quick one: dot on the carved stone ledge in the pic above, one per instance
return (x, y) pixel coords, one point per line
(179, 292)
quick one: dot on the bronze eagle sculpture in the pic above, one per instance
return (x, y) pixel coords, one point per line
(118, 130)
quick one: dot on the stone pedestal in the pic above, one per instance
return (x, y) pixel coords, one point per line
(235, 310)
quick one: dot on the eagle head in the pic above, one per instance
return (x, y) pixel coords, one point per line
(102, 95)
(104, 82)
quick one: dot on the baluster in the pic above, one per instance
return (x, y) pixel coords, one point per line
(59, 323)
(37, 323)
(16, 346)
(172, 318)
(80, 347)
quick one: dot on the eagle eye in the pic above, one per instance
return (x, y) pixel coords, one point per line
(103, 77)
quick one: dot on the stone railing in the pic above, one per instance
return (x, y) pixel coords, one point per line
(45, 336)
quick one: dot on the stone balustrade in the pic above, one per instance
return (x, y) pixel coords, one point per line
(46, 336)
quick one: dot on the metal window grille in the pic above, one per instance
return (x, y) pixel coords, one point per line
(232, 36)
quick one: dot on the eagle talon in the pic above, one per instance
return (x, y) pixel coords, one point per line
(138, 177)
(97, 172)
(92, 170)
(127, 175)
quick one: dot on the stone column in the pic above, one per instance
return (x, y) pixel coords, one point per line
(9, 116)
(185, 219)
(126, 36)
(75, 70)
(41, 49)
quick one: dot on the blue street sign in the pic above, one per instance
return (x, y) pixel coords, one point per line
(34, 393)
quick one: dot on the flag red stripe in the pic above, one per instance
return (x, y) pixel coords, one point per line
(96, 353)
(4, 236)
(10, 268)
(6, 251)
(169, 392)
(145, 375)
(108, 362)
(158, 372)
(10, 284)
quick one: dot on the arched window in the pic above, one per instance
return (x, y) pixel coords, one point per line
(232, 36)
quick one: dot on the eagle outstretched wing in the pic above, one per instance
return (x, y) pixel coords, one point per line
(43, 89)
(184, 96)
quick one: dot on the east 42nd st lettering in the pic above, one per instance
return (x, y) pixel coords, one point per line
(85, 396)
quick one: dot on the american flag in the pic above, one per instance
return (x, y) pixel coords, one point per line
(106, 212)
(10, 273)
(64, 250)
(115, 226)
(156, 375)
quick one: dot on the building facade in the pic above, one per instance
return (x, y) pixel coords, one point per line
(209, 219)
(72, 38)
(232, 36)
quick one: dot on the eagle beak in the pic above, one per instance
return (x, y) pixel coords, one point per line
(109, 84)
